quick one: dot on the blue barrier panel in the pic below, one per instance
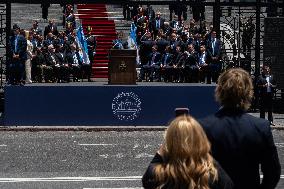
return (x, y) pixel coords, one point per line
(104, 105)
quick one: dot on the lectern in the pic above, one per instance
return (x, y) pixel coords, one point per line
(122, 66)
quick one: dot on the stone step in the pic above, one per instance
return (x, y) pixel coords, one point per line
(25, 14)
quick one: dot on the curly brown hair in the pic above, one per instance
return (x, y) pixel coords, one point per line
(234, 89)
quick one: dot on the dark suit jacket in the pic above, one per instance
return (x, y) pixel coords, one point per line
(60, 58)
(217, 48)
(154, 26)
(48, 30)
(168, 61)
(240, 143)
(173, 23)
(177, 59)
(207, 58)
(70, 59)
(168, 30)
(157, 59)
(162, 43)
(38, 60)
(261, 81)
(191, 60)
(49, 60)
(21, 49)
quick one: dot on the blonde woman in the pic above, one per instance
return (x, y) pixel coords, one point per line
(28, 67)
(184, 160)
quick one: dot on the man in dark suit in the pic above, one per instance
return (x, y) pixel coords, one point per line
(62, 68)
(145, 47)
(214, 51)
(167, 65)
(51, 66)
(44, 11)
(35, 28)
(178, 60)
(241, 143)
(167, 29)
(266, 87)
(248, 30)
(92, 45)
(126, 10)
(198, 11)
(18, 56)
(153, 65)
(157, 23)
(175, 23)
(203, 63)
(51, 28)
(162, 43)
(37, 65)
(191, 65)
(75, 62)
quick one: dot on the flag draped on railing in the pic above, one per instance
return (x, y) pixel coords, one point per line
(133, 34)
(132, 42)
(82, 42)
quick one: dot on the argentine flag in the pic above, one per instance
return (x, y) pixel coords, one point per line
(82, 42)
(133, 34)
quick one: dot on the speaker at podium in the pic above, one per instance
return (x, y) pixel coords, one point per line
(122, 67)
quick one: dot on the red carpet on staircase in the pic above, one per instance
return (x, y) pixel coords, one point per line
(95, 15)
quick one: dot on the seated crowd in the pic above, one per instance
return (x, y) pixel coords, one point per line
(176, 51)
(49, 55)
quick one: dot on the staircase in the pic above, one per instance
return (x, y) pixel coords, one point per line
(96, 16)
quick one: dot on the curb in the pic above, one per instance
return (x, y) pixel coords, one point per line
(94, 128)
(277, 127)
(82, 128)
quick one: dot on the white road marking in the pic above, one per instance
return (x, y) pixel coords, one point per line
(112, 188)
(144, 155)
(78, 179)
(71, 179)
(96, 144)
(3, 145)
(279, 145)
(281, 176)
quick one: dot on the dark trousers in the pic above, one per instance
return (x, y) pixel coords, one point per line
(191, 74)
(152, 71)
(16, 72)
(214, 71)
(246, 44)
(44, 12)
(126, 12)
(266, 105)
(86, 71)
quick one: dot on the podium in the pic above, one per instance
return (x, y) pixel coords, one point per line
(122, 66)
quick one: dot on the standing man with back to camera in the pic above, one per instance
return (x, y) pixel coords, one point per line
(241, 143)
(18, 57)
(266, 88)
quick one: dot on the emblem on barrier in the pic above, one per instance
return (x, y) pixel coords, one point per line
(126, 106)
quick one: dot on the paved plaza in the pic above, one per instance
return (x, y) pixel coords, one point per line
(81, 160)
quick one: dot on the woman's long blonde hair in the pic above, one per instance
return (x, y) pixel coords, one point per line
(187, 161)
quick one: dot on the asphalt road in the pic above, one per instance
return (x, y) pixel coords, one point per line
(82, 160)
